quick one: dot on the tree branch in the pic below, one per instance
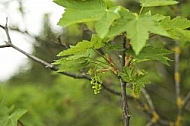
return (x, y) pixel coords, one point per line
(5, 45)
(6, 31)
(154, 114)
(149, 100)
(179, 101)
(125, 107)
(186, 100)
(150, 111)
(46, 64)
(123, 93)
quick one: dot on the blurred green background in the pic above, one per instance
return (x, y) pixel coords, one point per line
(52, 99)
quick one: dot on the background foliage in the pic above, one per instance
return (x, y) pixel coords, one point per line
(49, 99)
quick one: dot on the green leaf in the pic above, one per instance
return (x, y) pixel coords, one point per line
(95, 42)
(138, 34)
(158, 17)
(152, 3)
(137, 28)
(11, 120)
(128, 74)
(120, 24)
(81, 46)
(72, 16)
(102, 26)
(78, 55)
(138, 31)
(17, 115)
(139, 83)
(175, 27)
(134, 76)
(74, 62)
(177, 22)
(109, 3)
(81, 5)
(183, 35)
(81, 11)
(73, 65)
(152, 53)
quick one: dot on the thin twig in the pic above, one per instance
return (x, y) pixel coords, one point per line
(114, 91)
(54, 68)
(125, 107)
(5, 45)
(7, 31)
(179, 102)
(149, 111)
(154, 114)
(77, 76)
(149, 100)
(177, 76)
(46, 64)
(125, 97)
(186, 100)
(19, 123)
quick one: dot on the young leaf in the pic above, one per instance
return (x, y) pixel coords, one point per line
(95, 42)
(183, 35)
(128, 74)
(158, 17)
(73, 65)
(81, 46)
(176, 26)
(152, 53)
(178, 22)
(74, 62)
(152, 3)
(17, 114)
(135, 77)
(11, 120)
(139, 83)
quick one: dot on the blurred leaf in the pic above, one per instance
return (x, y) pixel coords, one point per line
(183, 34)
(152, 3)
(11, 120)
(17, 114)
